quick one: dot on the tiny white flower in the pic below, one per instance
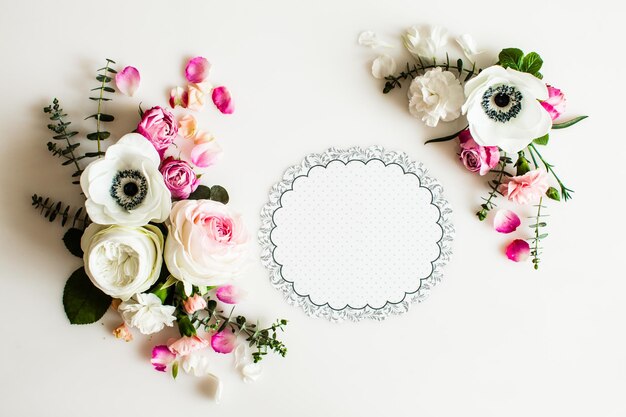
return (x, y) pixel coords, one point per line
(370, 39)
(426, 46)
(383, 66)
(468, 45)
(436, 95)
(146, 313)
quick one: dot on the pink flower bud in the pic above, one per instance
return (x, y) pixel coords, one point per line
(187, 344)
(555, 104)
(123, 332)
(194, 303)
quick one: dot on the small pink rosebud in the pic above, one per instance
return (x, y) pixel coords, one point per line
(224, 341)
(222, 100)
(506, 221)
(197, 69)
(187, 126)
(518, 250)
(555, 104)
(194, 303)
(127, 81)
(230, 294)
(123, 332)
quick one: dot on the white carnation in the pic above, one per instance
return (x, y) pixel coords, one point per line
(436, 95)
(146, 313)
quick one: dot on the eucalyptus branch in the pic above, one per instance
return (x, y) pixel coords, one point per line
(60, 128)
(494, 185)
(565, 192)
(52, 210)
(393, 81)
(535, 251)
(104, 79)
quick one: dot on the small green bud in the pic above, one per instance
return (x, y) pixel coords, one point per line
(522, 164)
(553, 194)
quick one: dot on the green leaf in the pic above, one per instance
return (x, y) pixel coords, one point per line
(83, 302)
(202, 193)
(219, 193)
(445, 138)
(568, 123)
(459, 65)
(532, 63)
(98, 135)
(106, 117)
(104, 78)
(553, 194)
(174, 370)
(511, 58)
(542, 140)
(184, 325)
(71, 238)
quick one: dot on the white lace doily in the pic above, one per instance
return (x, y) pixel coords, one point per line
(357, 233)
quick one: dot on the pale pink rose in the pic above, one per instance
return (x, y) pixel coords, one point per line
(477, 158)
(222, 99)
(224, 341)
(162, 357)
(230, 294)
(197, 69)
(187, 126)
(194, 303)
(123, 332)
(555, 104)
(160, 127)
(196, 97)
(524, 189)
(518, 250)
(187, 344)
(179, 97)
(179, 177)
(207, 243)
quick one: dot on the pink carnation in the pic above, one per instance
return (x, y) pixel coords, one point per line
(477, 158)
(555, 104)
(194, 303)
(526, 188)
(179, 177)
(187, 344)
(160, 127)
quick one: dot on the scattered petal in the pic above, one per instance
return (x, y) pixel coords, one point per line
(230, 294)
(205, 154)
(224, 341)
(420, 45)
(196, 98)
(222, 100)
(161, 357)
(506, 221)
(203, 137)
(197, 69)
(518, 250)
(123, 332)
(369, 38)
(251, 372)
(187, 126)
(468, 45)
(196, 363)
(179, 97)
(217, 386)
(383, 66)
(127, 81)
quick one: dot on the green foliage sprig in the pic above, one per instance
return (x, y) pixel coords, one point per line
(501, 173)
(53, 210)
(62, 133)
(104, 77)
(514, 58)
(565, 192)
(535, 251)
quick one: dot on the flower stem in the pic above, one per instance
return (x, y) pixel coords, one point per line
(105, 75)
(565, 192)
(537, 226)
(393, 81)
(488, 204)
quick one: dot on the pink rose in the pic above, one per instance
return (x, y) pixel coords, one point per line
(477, 158)
(194, 303)
(555, 104)
(523, 189)
(160, 127)
(179, 177)
(187, 344)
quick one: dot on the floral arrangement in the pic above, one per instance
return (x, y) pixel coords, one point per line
(510, 112)
(157, 246)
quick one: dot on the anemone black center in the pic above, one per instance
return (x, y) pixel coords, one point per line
(501, 100)
(131, 189)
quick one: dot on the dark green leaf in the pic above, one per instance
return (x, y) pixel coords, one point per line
(202, 193)
(98, 135)
(83, 302)
(459, 65)
(103, 78)
(532, 63)
(542, 140)
(105, 88)
(72, 241)
(106, 117)
(219, 193)
(511, 58)
(110, 61)
(445, 138)
(185, 327)
(568, 123)
(98, 98)
(94, 154)
(553, 194)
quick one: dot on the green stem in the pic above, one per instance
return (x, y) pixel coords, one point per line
(393, 81)
(536, 243)
(488, 205)
(564, 190)
(106, 70)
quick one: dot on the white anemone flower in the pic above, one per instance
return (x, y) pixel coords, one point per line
(125, 187)
(503, 108)
(425, 45)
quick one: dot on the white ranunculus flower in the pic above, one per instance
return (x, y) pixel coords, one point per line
(436, 95)
(146, 313)
(206, 244)
(425, 46)
(121, 260)
(125, 187)
(503, 108)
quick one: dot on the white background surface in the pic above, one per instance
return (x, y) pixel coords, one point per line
(493, 339)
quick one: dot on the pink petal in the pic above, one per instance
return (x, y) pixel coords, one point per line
(506, 221)
(127, 81)
(179, 97)
(518, 250)
(161, 357)
(224, 341)
(230, 294)
(222, 100)
(205, 154)
(197, 69)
